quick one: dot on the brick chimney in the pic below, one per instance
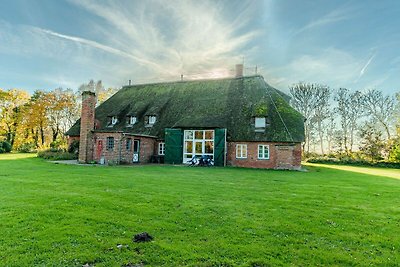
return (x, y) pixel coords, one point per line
(87, 127)
(239, 70)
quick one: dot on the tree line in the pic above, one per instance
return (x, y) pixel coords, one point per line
(345, 122)
(39, 120)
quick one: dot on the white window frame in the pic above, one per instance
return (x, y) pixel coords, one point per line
(260, 122)
(152, 119)
(161, 148)
(240, 151)
(187, 156)
(262, 149)
(132, 120)
(114, 120)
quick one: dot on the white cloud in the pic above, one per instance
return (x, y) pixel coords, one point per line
(330, 66)
(329, 18)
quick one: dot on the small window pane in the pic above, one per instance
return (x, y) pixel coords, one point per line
(209, 147)
(188, 147)
(260, 122)
(199, 148)
(199, 134)
(209, 135)
(188, 135)
(132, 120)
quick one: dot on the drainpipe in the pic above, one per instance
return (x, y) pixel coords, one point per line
(120, 148)
(226, 150)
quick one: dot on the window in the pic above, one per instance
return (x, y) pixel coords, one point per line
(114, 120)
(260, 122)
(129, 144)
(263, 151)
(198, 143)
(110, 143)
(131, 120)
(152, 119)
(161, 148)
(241, 151)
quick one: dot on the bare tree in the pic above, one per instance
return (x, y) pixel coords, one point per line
(321, 113)
(311, 100)
(381, 108)
(342, 97)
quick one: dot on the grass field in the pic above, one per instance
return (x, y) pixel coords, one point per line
(65, 215)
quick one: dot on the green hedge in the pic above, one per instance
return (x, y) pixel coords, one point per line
(5, 147)
(355, 162)
(57, 155)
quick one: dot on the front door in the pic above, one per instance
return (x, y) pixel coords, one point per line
(136, 148)
(99, 149)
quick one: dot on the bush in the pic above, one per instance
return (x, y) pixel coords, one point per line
(56, 155)
(5, 147)
(26, 148)
(354, 161)
(74, 147)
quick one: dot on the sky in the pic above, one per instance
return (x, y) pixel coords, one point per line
(46, 44)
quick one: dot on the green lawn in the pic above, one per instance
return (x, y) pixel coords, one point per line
(65, 215)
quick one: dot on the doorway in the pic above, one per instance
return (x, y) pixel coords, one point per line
(136, 149)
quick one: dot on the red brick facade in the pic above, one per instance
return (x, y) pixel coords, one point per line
(281, 155)
(121, 152)
(87, 127)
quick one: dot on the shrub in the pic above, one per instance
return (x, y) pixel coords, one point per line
(56, 155)
(74, 147)
(354, 161)
(5, 147)
(26, 148)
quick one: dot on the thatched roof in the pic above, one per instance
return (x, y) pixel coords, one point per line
(230, 103)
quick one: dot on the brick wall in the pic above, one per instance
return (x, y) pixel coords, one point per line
(281, 156)
(72, 139)
(120, 153)
(87, 126)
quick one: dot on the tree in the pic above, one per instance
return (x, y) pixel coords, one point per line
(11, 102)
(381, 108)
(311, 100)
(62, 110)
(102, 94)
(321, 113)
(372, 143)
(350, 110)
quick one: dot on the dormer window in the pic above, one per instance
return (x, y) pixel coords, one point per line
(150, 120)
(131, 120)
(260, 122)
(113, 121)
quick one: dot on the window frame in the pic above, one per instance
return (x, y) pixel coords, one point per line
(130, 120)
(128, 145)
(241, 154)
(110, 143)
(262, 150)
(161, 148)
(151, 119)
(264, 122)
(114, 120)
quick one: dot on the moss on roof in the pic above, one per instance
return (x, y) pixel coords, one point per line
(223, 103)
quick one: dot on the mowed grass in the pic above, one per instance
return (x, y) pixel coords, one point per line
(62, 215)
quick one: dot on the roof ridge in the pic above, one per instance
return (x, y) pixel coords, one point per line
(194, 80)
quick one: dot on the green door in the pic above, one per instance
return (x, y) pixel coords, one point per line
(173, 146)
(219, 147)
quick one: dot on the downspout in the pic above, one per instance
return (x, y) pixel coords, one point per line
(225, 150)
(120, 148)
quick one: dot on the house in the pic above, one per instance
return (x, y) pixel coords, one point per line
(238, 121)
